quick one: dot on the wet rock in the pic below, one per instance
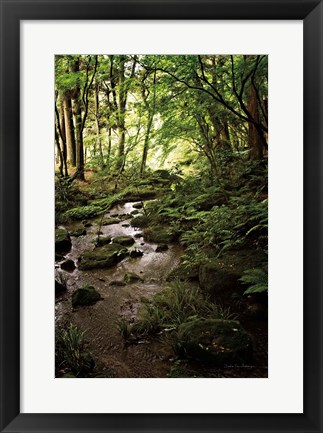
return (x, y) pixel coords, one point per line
(78, 231)
(134, 212)
(118, 283)
(130, 278)
(102, 257)
(63, 242)
(59, 288)
(68, 265)
(138, 235)
(137, 205)
(103, 240)
(125, 225)
(161, 247)
(218, 342)
(85, 296)
(123, 240)
(136, 253)
(107, 221)
(87, 224)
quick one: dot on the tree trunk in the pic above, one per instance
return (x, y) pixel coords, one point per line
(146, 144)
(69, 129)
(78, 135)
(122, 99)
(97, 124)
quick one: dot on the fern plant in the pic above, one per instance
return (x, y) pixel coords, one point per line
(256, 279)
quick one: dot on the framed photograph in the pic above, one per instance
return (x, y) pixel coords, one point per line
(161, 216)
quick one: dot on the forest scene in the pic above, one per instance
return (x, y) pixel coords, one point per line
(161, 216)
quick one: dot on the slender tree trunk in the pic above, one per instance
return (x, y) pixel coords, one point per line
(59, 153)
(109, 146)
(97, 124)
(254, 139)
(63, 137)
(78, 135)
(69, 129)
(122, 99)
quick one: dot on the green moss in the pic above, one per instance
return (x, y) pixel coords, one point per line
(78, 230)
(85, 296)
(130, 278)
(159, 235)
(220, 342)
(84, 212)
(123, 240)
(109, 220)
(102, 257)
(63, 242)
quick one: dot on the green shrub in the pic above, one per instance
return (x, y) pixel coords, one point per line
(70, 352)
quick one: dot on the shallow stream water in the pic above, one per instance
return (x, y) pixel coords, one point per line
(114, 358)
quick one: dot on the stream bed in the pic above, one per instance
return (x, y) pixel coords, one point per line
(113, 358)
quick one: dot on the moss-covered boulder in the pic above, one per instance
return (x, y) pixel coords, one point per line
(103, 240)
(68, 265)
(215, 277)
(218, 342)
(78, 230)
(123, 240)
(130, 278)
(85, 296)
(109, 220)
(159, 235)
(102, 257)
(63, 242)
(83, 212)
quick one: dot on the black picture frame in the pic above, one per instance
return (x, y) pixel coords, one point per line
(12, 12)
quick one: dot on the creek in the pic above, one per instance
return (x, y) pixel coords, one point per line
(113, 358)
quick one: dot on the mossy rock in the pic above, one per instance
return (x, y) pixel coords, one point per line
(103, 240)
(134, 212)
(159, 235)
(215, 278)
(63, 242)
(222, 275)
(84, 212)
(109, 220)
(141, 195)
(102, 257)
(161, 247)
(85, 296)
(130, 278)
(137, 205)
(123, 240)
(140, 221)
(68, 265)
(218, 342)
(59, 288)
(78, 230)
